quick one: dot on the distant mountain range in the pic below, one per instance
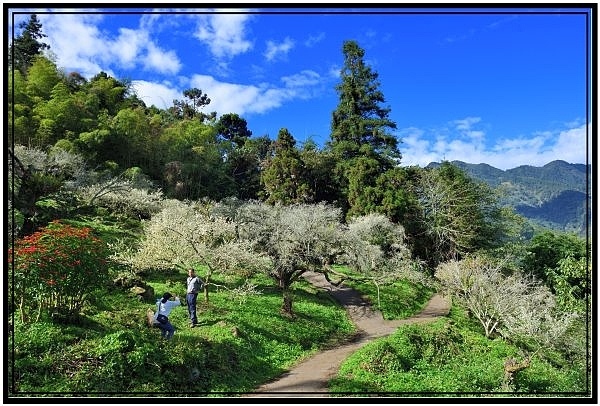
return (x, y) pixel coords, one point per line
(552, 196)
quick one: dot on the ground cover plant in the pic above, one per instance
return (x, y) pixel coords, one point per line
(237, 345)
(452, 357)
(399, 299)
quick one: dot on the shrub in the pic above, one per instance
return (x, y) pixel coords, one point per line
(55, 268)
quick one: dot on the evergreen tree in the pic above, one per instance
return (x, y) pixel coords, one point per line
(360, 136)
(320, 166)
(242, 154)
(360, 124)
(190, 108)
(234, 128)
(284, 177)
(27, 45)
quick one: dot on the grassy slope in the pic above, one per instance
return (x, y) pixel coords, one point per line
(236, 347)
(450, 357)
(240, 345)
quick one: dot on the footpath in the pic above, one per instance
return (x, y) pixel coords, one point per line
(310, 377)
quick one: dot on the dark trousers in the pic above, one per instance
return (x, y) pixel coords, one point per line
(167, 329)
(191, 304)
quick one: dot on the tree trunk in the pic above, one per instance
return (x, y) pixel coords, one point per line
(511, 367)
(286, 307)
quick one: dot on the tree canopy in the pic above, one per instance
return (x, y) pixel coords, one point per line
(27, 45)
(360, 124)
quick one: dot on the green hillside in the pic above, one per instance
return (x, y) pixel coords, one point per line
(552, 196)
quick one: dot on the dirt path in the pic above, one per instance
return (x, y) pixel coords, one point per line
(309, 378)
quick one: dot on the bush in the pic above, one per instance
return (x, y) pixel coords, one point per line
(55, 269)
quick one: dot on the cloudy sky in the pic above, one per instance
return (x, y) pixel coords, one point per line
(507, 87)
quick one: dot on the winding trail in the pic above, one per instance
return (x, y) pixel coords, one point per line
(309, 378)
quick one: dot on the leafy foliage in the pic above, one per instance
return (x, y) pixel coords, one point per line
(441, 359)
(56, 268)
(562, 261)
(284, 175)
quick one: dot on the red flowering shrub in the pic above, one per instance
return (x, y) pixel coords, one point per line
(54, 269)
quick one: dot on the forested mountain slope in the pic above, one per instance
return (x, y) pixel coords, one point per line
(553, 195)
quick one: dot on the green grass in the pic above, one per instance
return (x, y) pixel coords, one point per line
(445, 358)
(398, 300)
(236, 347)
(240, 345)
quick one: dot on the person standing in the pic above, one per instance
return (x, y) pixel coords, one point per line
(165, 306)
(194, 286)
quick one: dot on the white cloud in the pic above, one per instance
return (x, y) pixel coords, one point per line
(421, 147)
(335, 71)
(277, 50)
(465, 127)
(157, 94)
(314, 39)
(415, 149)
(224, 34)
(466, 123)
(79, 45)
(229, 97)
(127, 46)
(76, 42)
(304, 78)
(243, 99)
(161, 61)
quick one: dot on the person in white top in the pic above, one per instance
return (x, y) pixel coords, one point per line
(165, 306)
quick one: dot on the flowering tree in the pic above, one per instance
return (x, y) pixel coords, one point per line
(515, 306)
(54, 269)
(311, 237)
(123, 196)
(375, 247)
(36, 180)
(296, 239)
(188, 234)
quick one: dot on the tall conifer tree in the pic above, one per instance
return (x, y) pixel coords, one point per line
(27, 45)
(360, 125)
(361, 140)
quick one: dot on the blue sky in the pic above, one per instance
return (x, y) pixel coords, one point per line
(506, 87)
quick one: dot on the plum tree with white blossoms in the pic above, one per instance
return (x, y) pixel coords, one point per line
(187, 234)
(374, 247)
(311, 237)
(515, 306)
(296, 238)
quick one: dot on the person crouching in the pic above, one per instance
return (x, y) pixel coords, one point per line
(165, 306)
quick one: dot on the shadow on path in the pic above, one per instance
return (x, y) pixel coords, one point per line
(310, 377)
